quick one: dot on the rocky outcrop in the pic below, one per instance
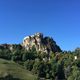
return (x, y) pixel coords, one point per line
(41, 43)
(38, 41)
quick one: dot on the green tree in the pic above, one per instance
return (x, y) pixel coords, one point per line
(75, 74)
(29, 64)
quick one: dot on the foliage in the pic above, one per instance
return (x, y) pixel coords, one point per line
(53, 66)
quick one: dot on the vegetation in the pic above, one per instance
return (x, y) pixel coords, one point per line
(20, 64)
(10, 70)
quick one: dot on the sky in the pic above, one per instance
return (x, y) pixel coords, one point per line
(59, 19)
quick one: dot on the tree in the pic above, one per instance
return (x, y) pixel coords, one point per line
(60, 71)
(36, 66)
(75, 74)
(54, 68)
(29, 64)
(42, 69)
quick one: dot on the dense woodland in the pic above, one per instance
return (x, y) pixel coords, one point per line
(63, 65)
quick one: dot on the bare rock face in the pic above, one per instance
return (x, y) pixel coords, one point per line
(38, 41)
(43, 44)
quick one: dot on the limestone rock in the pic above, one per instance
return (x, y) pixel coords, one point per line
(38, 41)
(44, 44)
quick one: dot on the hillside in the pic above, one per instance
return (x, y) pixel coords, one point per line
(14, 69)
(38, 58)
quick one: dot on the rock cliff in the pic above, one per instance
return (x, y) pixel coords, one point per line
(38, 41)
(41, 43)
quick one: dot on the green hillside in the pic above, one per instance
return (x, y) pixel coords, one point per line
(14, 69)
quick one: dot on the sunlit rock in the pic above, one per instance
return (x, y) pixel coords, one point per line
(43, 44)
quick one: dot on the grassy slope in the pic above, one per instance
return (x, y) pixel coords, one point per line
(15, 69)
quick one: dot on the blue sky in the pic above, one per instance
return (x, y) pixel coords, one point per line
(59, 19)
